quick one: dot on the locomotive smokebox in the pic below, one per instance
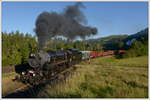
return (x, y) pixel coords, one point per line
(39, 59)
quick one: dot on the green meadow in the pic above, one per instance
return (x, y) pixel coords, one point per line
(104, 77)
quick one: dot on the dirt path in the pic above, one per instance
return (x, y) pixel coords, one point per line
(8, 85)
(27, 91)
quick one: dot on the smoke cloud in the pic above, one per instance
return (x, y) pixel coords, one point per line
(70, 24)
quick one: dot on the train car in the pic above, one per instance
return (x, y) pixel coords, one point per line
(121, 51)
(85, 55)
(93, 54)
(100, 54)
(110, 52)
(105, 53)
(76, 55)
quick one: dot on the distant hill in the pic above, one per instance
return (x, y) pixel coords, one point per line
(137, 36)
(114, 42)
(107, 40)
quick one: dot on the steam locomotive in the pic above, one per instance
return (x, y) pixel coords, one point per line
(45, 65)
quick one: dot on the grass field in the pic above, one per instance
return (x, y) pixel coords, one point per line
(105, 77)
(8, 74)
(129, 62)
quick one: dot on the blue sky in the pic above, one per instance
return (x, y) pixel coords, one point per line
(110, 18)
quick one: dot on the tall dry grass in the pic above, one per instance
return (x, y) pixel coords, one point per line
(101, 81)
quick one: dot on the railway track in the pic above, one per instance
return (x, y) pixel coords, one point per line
(29, 91)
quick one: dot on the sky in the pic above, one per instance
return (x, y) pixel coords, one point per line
(110, 18)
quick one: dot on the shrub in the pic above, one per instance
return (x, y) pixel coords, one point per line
(137, 48)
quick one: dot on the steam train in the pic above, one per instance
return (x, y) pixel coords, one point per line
(45, 65)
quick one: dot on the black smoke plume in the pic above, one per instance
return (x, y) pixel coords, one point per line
(70, 24)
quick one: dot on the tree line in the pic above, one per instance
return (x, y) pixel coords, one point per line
(58, 43)
(17, 46)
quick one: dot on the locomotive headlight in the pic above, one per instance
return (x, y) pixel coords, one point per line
(31, 71)
(33, 74)
(23, 73)
(32, 55)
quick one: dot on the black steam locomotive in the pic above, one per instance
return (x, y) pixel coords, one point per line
(45, 65)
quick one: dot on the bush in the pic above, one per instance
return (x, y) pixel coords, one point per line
(137, 48)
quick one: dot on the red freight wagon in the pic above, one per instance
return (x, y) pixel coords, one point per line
(111, 52)
(100, 54)
(93, 54)
(105, 53)
(121, 51)
(96, 54)
(108, 52)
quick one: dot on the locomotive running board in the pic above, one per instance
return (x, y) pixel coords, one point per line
(60, 62)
